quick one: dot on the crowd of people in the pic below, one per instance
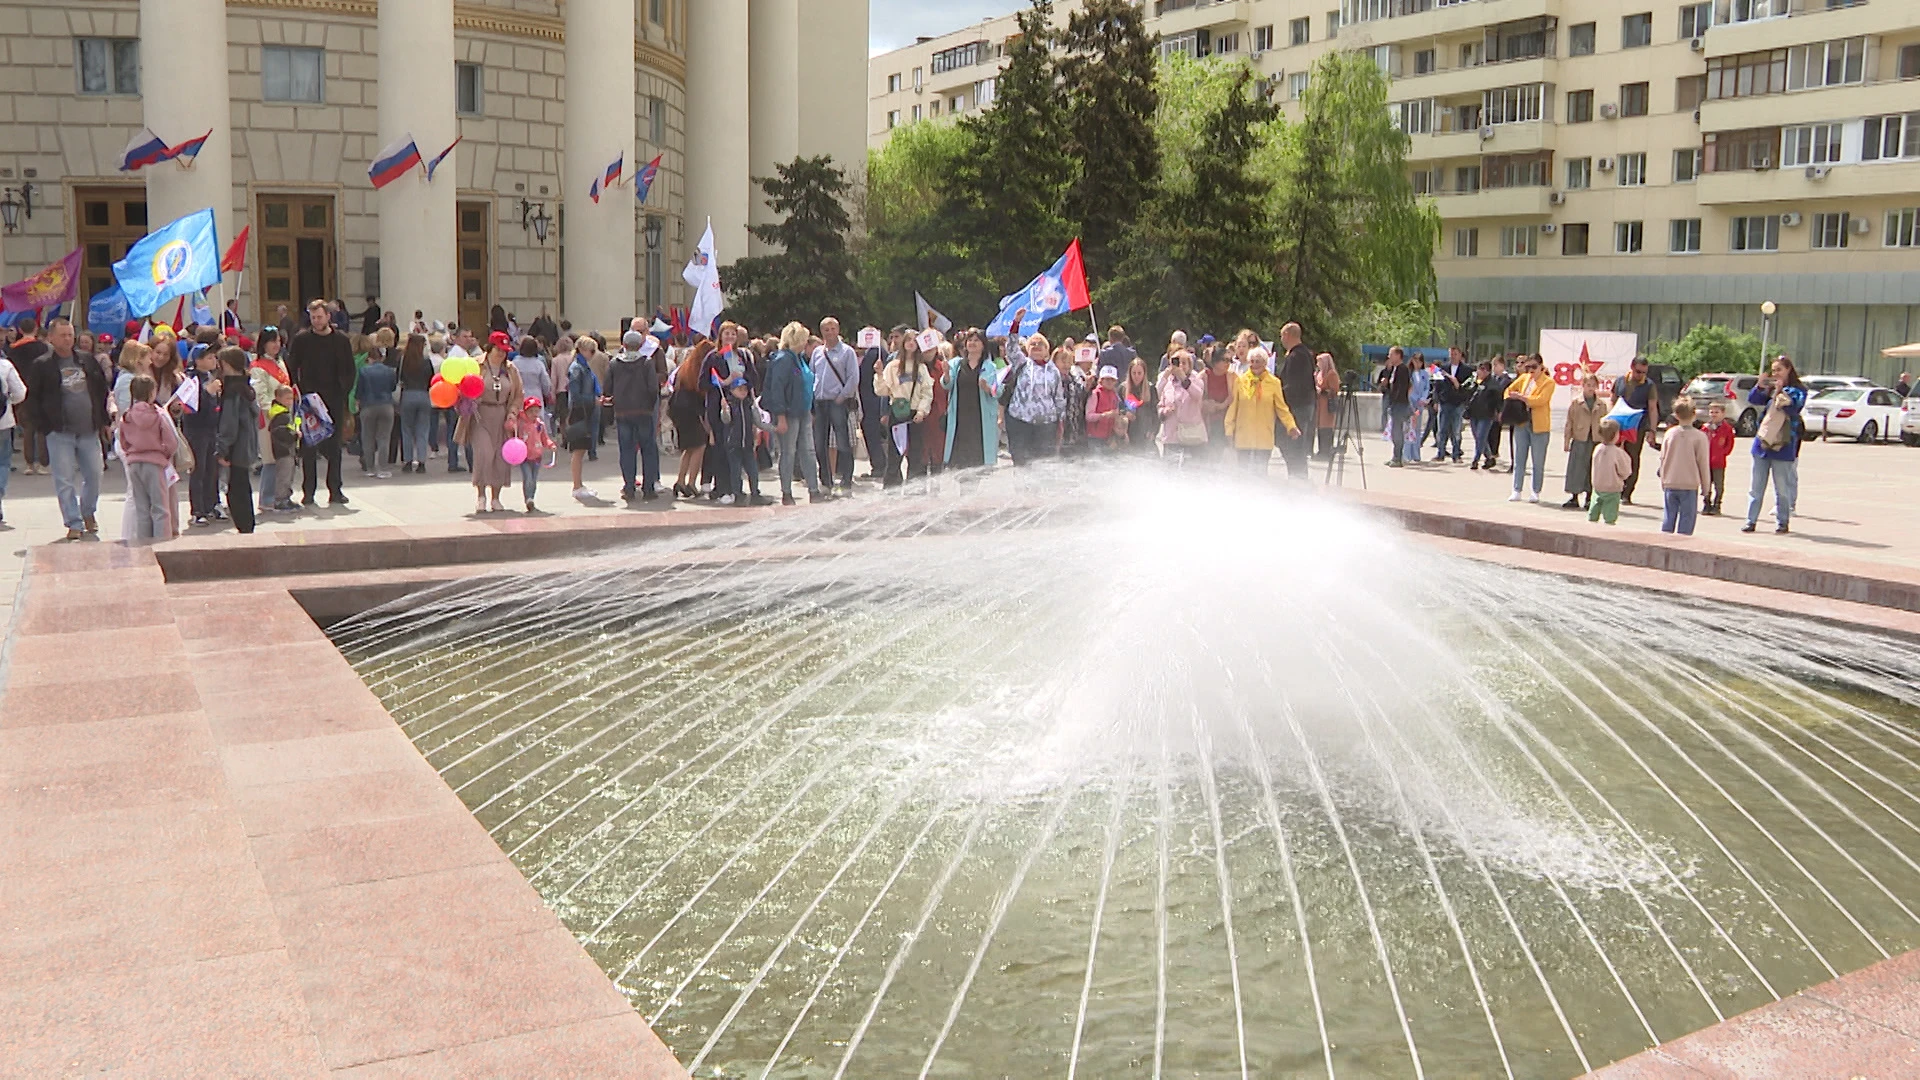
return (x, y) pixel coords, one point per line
(214, 409)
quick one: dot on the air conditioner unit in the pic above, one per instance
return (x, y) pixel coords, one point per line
(1609, 111)
(1861, 226)
(1557, 198)
(1486, 132)
(1790, 219)
(1605, 164)
(1549, 228)
(1818, 172)
(1256, 54)
(1698, 44)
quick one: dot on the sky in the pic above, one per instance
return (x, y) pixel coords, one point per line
(893, 23)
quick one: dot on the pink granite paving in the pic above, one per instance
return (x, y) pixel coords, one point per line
(197, 879)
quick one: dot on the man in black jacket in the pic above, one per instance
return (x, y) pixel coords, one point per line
(633, 393)
(68, 398)
(320, 361)
(1395, 384)
(1296, 385)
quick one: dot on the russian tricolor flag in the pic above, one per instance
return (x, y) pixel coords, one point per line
(393, 162)
(643, 180)
(442, 156)
(145, 149)
(608, 179)
(190, 149)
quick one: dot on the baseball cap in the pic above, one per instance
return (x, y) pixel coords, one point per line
(1110, 372)
(499, 340)
(1207, 339)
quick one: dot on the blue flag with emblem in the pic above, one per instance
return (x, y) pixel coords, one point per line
(107, 312)
(180, 257)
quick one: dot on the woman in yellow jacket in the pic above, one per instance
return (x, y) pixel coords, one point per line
(1257, 405)
(1534, 388)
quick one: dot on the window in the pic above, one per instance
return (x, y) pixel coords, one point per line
(1579, 173)
(1466, 179)
(1297, 84)
(1299, 31)
(657, 121)
(1749, 10)
(108, 65)
(893, 119)
(1423, 62)
(916, 113)
(1424, 181)
(1829, 63)
(973, 52)
(1466, 242)
(919, 79)
(1629, 237)
(957, 104)
(1513, 104)
(1333, 25)
(1695, 20)
(1830, 231)
(1747, 75)
(1573, 238)
(933, 107)
(1683, 236)
(1909, 64)
(1413, 117)
(1262, 38)
(1466, 118)
(1579, 106)
(1470, 54)
(1580, 40)
(1688, 92)
(466, 90)
(1888, 138)
(292, 74)
(1810, 144)
(1686, 165)
(1636, 31)
(893, 83)
(655, 14)
(1386, 58)
(1519, 240)
(1756, 233)
(983, 92)
(1903, 227)
(1633, 170)
(1518, 170)
(1226, 43)
(1633, 99)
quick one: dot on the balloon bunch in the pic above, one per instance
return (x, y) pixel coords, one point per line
(459, 379)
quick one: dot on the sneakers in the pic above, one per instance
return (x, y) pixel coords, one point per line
(727, 500)
(1748, 527)
(1396, 463)
(583, 494)
(762, 500)
(383, 475)
(1515, 497)
(628, 494)
(821, 496)
(1780, 531)
(336, 498)
(1533, 496)
(1476, 465)
(199, 519)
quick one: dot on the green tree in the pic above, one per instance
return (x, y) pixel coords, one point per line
(1709, 348)
(1001, 219)
(1412, 323)
(901, 250)
(811, 273)
(1108, 72)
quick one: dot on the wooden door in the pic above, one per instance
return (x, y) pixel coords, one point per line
(298, 260)
(474, 270)
(111, 220)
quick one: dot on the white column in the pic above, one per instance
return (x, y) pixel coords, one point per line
(773, 67)
(717, 133)
(180, 101)
(417, 252)
(833, 96)
(599, 116)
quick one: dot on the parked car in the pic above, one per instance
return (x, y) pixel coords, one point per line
(1910, 425)
(1731, 391)
(1863, 413)
(1817, 383)
(1666, 379)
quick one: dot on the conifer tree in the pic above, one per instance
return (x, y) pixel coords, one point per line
(1108, 71)
(811, 273)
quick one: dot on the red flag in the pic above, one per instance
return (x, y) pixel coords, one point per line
(1074, 278)
(180, 316)
(236, 256)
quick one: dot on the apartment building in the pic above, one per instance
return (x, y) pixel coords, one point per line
(936, 78)
(1638, 165)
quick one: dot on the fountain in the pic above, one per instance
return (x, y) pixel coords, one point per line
(1119, 772)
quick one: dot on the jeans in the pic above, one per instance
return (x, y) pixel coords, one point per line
(529, 479)
(1528, 441)
(451, 420)
(416, 419)
(1450, 420)
(831, 428)
(1026, 442)
(6, 461)
(1415, 436)
(147, 500)
(76, 463)
(639, 437)
(793, 450)
(203, 484)
(876, 431)
(741, 462)
(1481, 428)
(1682, 510)
(376, 427)
(269, 471)
(1397, 416)
(1786, 489)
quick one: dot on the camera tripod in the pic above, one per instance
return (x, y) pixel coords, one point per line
(1346, 433)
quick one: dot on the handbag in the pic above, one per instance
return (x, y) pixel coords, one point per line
(1776, 428)
(901, 408)
(1515, 412)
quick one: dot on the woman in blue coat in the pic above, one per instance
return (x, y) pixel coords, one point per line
(973, 405)
(1781, 463)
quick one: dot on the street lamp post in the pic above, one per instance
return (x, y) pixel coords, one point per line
(1766, 332)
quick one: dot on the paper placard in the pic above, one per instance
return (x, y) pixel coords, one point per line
(870, 338)
(1086, 354)
(929, 339)
(650, 346)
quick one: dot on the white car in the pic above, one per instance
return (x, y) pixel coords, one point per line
(1817, 383)
(1864, 413)
(1910, 427)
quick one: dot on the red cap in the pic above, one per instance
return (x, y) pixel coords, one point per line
(499, 340)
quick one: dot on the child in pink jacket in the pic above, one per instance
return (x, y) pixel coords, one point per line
(147, 442)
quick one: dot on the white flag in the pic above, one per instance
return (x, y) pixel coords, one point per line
(703, 274)
(188, 394)
(924, 316)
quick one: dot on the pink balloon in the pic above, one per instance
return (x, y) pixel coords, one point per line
(513, 451)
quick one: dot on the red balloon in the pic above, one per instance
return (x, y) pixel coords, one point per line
(435, 381)
(471, 386)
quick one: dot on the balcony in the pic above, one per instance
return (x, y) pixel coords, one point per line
(1460, 81)
(1807, 21)
(1206, 15)
(1507, 139)
(1494, 203)
(1792, 184)
(1441, 21)
(1811, 106)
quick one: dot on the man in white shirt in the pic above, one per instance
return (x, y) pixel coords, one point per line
(836, 391)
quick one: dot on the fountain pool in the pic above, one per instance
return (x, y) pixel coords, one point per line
(1100, 774)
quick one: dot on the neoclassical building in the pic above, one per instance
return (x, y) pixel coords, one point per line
(311, 90)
